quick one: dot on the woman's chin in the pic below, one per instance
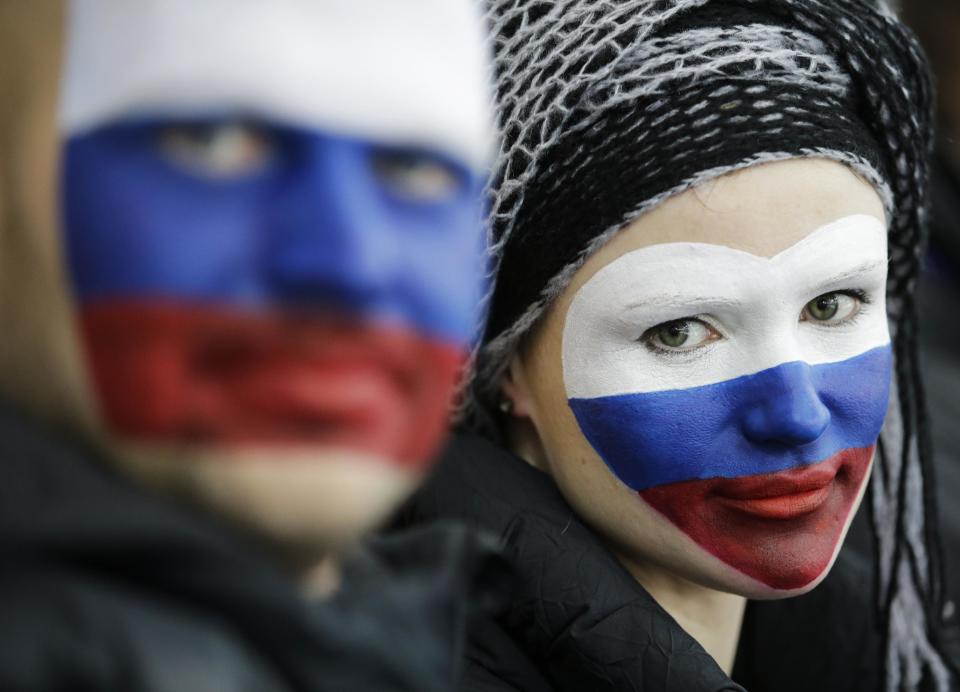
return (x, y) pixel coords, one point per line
(311, 498)
(704, 569)
(747, 587)
(763, 571)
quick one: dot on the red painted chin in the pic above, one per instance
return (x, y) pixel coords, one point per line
(204, 376)
(779, 528)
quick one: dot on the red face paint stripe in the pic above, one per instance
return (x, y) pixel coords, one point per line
(214, 377)
(779, 528)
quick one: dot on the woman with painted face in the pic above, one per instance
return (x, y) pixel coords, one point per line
(706, 220)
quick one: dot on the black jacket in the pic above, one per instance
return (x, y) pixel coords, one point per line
(104, 587)
(579, 621)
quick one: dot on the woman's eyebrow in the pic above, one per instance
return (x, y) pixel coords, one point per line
(681, 299)
(855, 273)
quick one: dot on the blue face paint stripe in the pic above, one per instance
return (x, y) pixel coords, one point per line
(314, 228)
(761, 423)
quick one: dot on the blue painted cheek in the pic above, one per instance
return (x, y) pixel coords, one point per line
(315, 227)
(790, 415)
(136, 227)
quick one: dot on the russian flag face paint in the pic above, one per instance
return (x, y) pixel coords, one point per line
(740, 396)
(275, 240)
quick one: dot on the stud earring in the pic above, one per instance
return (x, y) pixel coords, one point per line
(506, 405)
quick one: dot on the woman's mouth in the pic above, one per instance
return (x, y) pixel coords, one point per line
(211, 376)
(783, 495)
(782, 506)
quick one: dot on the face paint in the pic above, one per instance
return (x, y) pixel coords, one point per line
(740, 396)
(408, 74)
(262, 252)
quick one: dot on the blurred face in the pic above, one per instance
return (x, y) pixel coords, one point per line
(274, 269)
(709, 390)
(258, 284)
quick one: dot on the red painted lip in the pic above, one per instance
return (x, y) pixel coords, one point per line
(782, 506)
(783, 495)
(318, 381)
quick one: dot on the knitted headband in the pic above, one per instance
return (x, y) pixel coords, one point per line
(607, 108)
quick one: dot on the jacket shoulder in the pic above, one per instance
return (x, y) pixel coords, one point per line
(66, 631)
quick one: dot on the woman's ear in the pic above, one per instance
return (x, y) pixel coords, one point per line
(516, 403)
(515, 392)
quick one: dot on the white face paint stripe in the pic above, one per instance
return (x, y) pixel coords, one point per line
(755, 302)
(412, 72)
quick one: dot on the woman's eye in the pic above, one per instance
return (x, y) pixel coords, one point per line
(831, 308)
(680, 335)
(417, 177)
(217, 150)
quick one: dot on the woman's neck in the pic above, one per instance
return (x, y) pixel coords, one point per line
(711, 617)
(322, 580)
(317, 572)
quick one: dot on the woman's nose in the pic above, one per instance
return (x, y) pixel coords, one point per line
(788, 409)
(331, 242)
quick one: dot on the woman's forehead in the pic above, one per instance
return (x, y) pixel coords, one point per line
(763, 211)
(410, 73)
(659, 280)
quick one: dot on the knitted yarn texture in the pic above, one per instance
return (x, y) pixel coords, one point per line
(609, 107)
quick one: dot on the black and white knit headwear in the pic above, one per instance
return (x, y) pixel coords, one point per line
(608, 107)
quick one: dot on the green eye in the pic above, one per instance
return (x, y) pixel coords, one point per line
(680, 335)
(831, 308)
(674, 334)
(824, 307)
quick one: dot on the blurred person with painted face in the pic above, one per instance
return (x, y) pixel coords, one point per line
(240, 258)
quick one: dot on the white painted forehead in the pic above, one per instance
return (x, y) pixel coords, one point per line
(412, 72)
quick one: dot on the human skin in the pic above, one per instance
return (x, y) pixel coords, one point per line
(304, 496)
(253, 324)
(763, 211)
